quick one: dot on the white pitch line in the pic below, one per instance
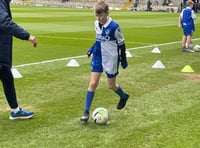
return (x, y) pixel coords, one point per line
(50, 61)
(63, 37)
(82, 56)
(156, 45)
(87, 39)
(154, 26)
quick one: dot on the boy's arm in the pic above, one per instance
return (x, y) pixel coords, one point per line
(122, 47)
(123, 59)
(90, 51)
(193, 15)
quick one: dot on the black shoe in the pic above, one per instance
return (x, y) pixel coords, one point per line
(122, 102)
(85, 117)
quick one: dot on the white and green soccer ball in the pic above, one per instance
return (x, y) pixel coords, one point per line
(196, 48)
(101, 115)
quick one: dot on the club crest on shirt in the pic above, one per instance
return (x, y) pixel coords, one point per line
(107, 31)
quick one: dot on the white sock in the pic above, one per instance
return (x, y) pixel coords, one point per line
(15, 110)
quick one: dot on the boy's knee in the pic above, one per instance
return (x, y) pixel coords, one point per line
(93, 85)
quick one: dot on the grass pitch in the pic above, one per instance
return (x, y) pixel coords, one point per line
(163, 109)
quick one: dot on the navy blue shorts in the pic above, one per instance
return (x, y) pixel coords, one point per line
(188, 30)
(99, 69)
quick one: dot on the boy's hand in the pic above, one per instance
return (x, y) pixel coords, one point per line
(124, 64)
(89, 52)
(123, 60)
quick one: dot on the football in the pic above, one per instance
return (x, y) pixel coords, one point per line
(100, 115)
(196, 48)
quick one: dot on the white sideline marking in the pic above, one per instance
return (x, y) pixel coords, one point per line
(155, 45)
(82, 56)
(154, 26)
(87, 39)
(63, 37)
(50, 61)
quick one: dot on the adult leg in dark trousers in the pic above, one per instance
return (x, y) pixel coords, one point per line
(9, 90)
(8, 86)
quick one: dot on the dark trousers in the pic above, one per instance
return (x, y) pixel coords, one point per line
(8, 86)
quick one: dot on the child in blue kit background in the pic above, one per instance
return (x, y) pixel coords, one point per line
(108, 52)
(186, 21)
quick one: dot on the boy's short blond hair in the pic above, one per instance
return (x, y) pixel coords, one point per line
(190, 2)
(101, 7)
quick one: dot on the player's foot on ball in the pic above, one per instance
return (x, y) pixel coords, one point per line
(187, 50)
(85, 117)
(122, 102)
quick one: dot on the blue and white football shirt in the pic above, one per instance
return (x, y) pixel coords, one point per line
(105, 50)
(187, 20)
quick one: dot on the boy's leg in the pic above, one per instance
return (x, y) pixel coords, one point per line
(123, 98)
(89, 99)
(188, 42)
(88, 102)
(95, 76)
(186, 39)
(118, 90)
(183, 42)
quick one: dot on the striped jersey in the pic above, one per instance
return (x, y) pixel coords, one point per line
(105, 50)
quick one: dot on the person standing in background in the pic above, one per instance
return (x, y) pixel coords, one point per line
(186, 21)
(8, 29)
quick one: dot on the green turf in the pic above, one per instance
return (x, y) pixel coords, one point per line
(163, 109)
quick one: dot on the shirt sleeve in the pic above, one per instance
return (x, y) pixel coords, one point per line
(119, 36)
(181, 14)
(8, 26)
(193, 15)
